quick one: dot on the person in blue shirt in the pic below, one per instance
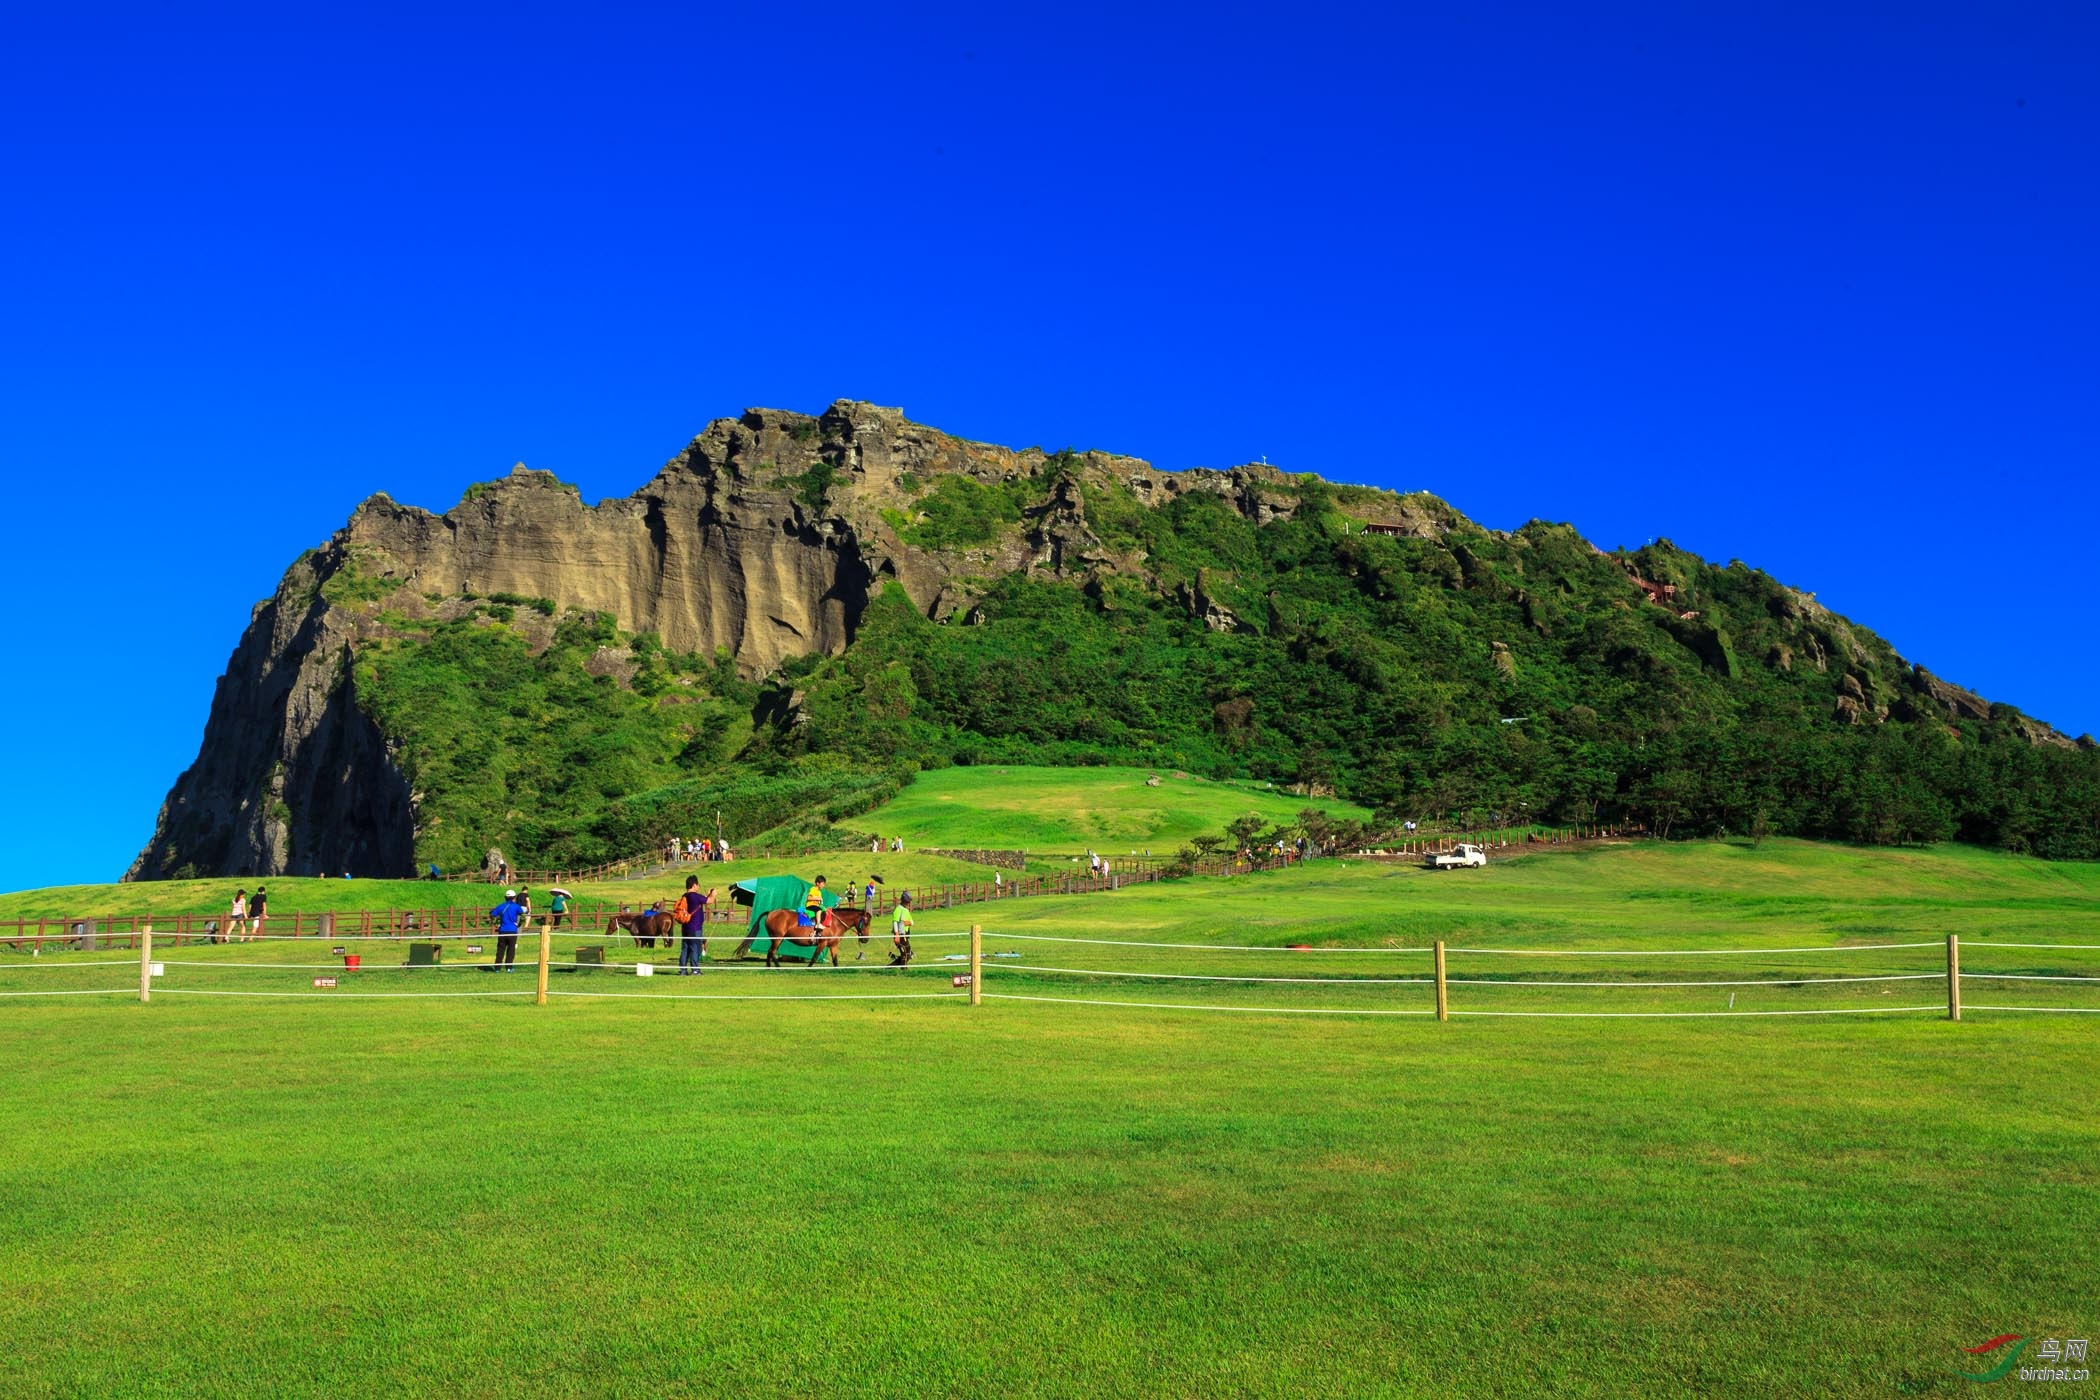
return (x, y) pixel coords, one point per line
(507, 914)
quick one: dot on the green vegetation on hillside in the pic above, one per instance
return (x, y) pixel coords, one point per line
(959, 512)
(1462, 675)
(1076, 809)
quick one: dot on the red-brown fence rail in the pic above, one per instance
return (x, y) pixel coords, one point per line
(124, 930)
(1122, 872)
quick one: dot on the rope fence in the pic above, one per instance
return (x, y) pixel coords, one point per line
(1325, 981)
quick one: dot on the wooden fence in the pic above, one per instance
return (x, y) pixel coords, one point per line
(125, 930)
(1122, 872)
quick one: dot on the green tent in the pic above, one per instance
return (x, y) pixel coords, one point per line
(766, 894)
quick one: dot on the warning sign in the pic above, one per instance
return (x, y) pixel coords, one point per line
(324, 981)
(961, 979)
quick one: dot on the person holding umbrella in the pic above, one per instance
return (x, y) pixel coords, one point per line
(559, 909)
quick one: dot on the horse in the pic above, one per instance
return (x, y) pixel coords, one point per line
(784, 926)
(646, 927)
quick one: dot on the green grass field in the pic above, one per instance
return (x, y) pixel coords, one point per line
(1066, 810)
(706, 1186)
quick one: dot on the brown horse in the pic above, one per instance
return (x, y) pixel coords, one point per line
(646, 927)
(782, 926)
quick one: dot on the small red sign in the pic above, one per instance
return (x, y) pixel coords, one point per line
(961, 979)
(324, 981)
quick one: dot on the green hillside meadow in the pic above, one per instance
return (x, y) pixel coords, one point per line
(1065, 810)
(711, 1186)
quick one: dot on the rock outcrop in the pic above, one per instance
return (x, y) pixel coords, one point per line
(768, 536)
(292, 776)
(764, 538)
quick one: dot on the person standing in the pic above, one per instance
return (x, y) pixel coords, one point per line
(525, 903)
(507, 914)
(237, 917)
(900, 931)
(867, 917)
(691, 914)
(560, 908)
(258, 910)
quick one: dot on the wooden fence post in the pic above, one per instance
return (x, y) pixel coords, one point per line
(146, 964)
(546, 950)
(1953, 977)
(976, 965)
(1443, 996)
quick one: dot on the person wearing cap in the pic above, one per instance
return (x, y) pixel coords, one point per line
(900, 930)
(507, 914)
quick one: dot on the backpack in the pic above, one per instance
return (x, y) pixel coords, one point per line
(682, 910)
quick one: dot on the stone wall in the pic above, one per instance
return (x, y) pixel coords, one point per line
(1009, 860)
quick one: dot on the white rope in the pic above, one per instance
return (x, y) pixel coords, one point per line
(1203, 977)
(1690, 1015)
(338, 995)
(2052, 947)
(96, 992)
(2024, 977)
(1199, 947)
(335, 966)
(672, 969)
(2067, 1010)
(1679, 952)
(1189, 1006)
(1774, 982)
(739, 996)
(44, 964)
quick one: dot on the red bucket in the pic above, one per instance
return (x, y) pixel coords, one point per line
(351, 961)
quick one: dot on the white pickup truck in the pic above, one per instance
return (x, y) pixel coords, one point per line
(1457, 859)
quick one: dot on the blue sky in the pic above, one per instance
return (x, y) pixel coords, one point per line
(1809, 286)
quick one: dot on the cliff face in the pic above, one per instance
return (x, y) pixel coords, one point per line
(764, 538)
(292, 776)
(769, 537)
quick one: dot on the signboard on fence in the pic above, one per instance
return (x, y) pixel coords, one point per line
(324, 981)
(473, 947)
(642, 969)
(961, 979)
(157, 969)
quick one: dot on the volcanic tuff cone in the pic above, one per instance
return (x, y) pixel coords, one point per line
(771, 537)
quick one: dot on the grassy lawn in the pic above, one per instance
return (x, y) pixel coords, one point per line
(1065, 810)
(917, 1198)
(680, 1191)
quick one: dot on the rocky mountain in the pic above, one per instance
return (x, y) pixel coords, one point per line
(773, 587)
